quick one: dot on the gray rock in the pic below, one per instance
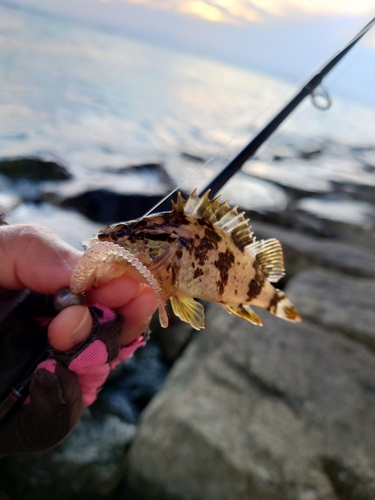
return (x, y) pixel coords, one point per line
(175, 338)
(338, 302)
(90, 463)
(357, 190)
(247, 192)
(195, 157)
(291, 175)
(154, 172)
(284, 412)
(115, 197)
(349, 220)
(367, 157)
(107, 206)
(302, 251)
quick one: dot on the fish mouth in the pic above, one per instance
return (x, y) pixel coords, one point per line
(88, 242)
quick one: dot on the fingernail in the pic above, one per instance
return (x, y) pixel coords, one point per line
(83, 329)
(141, 288)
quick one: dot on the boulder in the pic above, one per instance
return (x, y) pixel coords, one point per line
(349, 220)
(291, 175)
(342, 303)
(249, 193)
(34, 169)
(90, 463)
(367, 158)
(116, 196)
(107, 206)
(284, 412)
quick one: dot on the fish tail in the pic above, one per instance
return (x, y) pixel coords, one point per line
(282, 307)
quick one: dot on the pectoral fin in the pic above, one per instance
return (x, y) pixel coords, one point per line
(188, 310)
(245, 312)
(164, 267)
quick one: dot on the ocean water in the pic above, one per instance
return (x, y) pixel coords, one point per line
(92, 98)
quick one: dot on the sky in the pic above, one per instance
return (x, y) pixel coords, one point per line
(287, 38)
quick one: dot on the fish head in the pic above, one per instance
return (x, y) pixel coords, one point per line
(143, 238)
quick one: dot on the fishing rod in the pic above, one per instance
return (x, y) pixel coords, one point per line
(18, 389)
(308, 89)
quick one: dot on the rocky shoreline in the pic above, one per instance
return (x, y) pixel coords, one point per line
(282, 412)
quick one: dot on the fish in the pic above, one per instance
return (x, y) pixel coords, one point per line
(202, 249)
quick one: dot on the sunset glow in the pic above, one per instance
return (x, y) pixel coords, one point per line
(237, 11)
(203, 9)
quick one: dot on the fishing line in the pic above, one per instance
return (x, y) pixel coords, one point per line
(335, 80)
(243, 130)
(308, 89)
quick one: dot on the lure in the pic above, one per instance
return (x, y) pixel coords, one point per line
(202, 249)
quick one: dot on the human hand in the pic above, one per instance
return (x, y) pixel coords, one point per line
(86, 341)
(34, 257)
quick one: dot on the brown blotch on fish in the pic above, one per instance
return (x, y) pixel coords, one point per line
(254, 289)
(212, 236)
(223, 264)
(198, 272)
(200, 252)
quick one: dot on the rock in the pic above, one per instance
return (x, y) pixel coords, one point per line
(367, 158)
(338, 302)
(193, 157)
(311, 152)
(155, 170)
(283, 152)
(349, 220)
(284, 412)
(131, 387)
(107, 206)
(34, 169)
(90, 463)
(175, 338)
(249, 193)
(357, 190)
(291, 175)
(114, 197)
(302, 251)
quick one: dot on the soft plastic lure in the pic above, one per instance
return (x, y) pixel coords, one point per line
(105, 261)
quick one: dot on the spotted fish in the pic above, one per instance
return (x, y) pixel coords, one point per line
(202, 249)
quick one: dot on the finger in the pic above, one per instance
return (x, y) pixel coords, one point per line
(70, 327)
(138, 313)
(116, 293)
(34, 257)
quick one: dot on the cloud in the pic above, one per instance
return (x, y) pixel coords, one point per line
(237, 11)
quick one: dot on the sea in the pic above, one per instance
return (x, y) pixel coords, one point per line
(93, 98)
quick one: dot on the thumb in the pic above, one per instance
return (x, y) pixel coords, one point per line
(70, 327)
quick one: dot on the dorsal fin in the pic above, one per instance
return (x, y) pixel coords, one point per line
(269, 256)
(218, 213)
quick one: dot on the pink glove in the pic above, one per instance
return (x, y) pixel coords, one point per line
(64, 383)
(92, 360)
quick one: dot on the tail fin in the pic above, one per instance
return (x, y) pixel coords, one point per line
(281, 307)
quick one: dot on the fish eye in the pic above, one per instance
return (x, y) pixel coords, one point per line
(120, 233)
